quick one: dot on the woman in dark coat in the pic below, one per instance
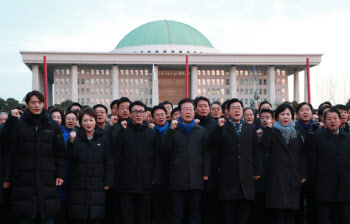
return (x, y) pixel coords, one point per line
(286, 166)
(91, 170)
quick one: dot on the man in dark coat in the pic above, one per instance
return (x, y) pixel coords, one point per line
(187, 146)
(137, 153)
(261, 215)
(112, 130)
(303, 125)
(160, 198)
(35, 163)
(240, 163)
(332, 170)
(210, 206)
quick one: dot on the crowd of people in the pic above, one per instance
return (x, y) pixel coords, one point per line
(201, 162)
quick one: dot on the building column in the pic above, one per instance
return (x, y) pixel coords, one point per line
(115, 82)
(50, 93)
(233, 82)
(155, 87)
(194, 81)
(306, 95)
(36, 81)
(296, 86)
(74, 84)
(272, 84)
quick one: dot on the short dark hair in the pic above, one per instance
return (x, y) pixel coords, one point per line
(300, 105)
(282, 108)
(69, 112)
(332, 110)
(74, 104)
(266, 111)
(157, 108)
(321, 109)
(185, 100)
(340, 107)
(199, 98)
(166, 102)
(216, 102)
(88, 111)
(325, 103)
(100, 105)
(123, 100)
(59, 110)
(234, 100)
(49, 108)
(174, 110)
(264, 102)
(149, 109)
(314, 111)
(224, 106)
(249, 108)
(35, 93)
(138, 103)
(114, 102)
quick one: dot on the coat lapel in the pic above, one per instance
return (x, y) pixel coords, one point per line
(282, 140)
(231, 129)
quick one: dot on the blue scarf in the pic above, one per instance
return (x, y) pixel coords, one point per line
(161, 130)
(237, 126)
(288, 132)
(187, 127)
(307, 127)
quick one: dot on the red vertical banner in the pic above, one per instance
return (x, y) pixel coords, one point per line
(308, 80)
(186, 75)
(45, 83)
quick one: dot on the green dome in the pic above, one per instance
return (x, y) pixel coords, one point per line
(164, 32)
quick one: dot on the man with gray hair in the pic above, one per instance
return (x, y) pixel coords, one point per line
(3, 117)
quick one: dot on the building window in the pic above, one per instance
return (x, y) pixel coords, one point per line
(97, 72)
(265, 91)
(67, 71)
(241, 81)
(260, 91)
(283, 91)
(260, 81)
(283, 82)
(278, 82)
(227, 82)
(265, 82)
(246, 92)
(82, 81)
(251, 91)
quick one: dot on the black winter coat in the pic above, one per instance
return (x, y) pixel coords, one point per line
(35, 157)
(189, 157)
(137, 153)
(285, 169)
(240, 161)
(211, 127)
(91, 170)
(332, 165)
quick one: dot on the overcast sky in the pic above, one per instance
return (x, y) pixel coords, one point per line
(249, 26)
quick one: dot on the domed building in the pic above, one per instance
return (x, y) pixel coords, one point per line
(149, 64)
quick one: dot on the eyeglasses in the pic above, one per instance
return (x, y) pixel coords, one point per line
(71, 119)
(159, 115)
(187, 109)
(138, 112)
(234, 108)
(100, 112)
(124, 108)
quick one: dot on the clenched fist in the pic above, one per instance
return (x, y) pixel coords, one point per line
(114, 119)
(72, 136)
(151, 125)
(124, 124)
(174, 124)
(15, 113)
(221, 122)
